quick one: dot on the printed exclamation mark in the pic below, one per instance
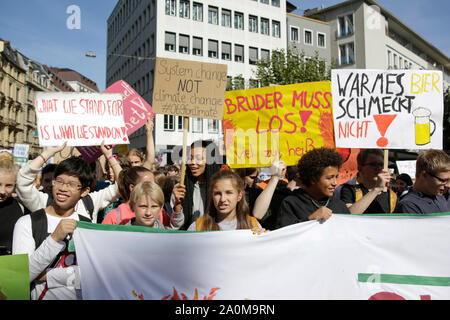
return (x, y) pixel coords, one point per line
(383, 122)
(304, 116)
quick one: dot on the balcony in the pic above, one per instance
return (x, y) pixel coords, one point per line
(346, 60)
(344, 32)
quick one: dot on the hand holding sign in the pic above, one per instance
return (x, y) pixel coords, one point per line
(278, 168)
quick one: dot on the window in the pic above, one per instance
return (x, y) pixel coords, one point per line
(276, 29)
(395, 61)
(294, 34)
(252, 23)
(265, 1)
(170, 41)
(213, 48)
(321, 40)
(213, 15)
(213, 126)
(169, 122)
(265, 26)
(171, 7)
(265, 54)
(197, 46)
(183, 46)
(252, 83)
(400, 63)
(347, 54)
(184, 9)
(238, 53)
(226, 18)
(197, 11)
(276, 3)
(197, 125)
(389, 59)
(239, 20)
(308, 37)
(180, 123)
(226, 51)
(345, 25)
(253, 55)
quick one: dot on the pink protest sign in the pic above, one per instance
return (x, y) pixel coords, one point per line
(135, 115)
(135, 107)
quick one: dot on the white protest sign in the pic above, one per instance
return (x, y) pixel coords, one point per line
(21, 150)
(407, 166)
(389, 109)
(81, 119)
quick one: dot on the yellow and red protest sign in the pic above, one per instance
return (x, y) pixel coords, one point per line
(291, 120)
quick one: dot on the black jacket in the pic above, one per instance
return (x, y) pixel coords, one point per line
(299, 206)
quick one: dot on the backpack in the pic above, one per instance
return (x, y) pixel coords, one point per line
(39, 229)
(87, 201)
(39, 226)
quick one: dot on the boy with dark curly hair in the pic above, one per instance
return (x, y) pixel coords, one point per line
(318, 170)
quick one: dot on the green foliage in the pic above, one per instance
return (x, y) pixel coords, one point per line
(290, 66)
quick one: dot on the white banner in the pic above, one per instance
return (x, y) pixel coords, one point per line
(81, 119)
(390, 109)
(347, 257)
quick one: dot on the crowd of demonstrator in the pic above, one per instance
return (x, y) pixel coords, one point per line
(41, 204)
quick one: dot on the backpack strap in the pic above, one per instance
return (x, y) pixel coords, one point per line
(358, 193)
(39, 227)
(392, 200)
(89, 205)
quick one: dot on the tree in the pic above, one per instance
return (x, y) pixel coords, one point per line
(291, 66)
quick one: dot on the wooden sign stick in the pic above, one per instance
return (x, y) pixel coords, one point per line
(386, 163)
(183, 157)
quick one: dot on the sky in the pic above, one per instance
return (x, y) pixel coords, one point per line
(38, 28)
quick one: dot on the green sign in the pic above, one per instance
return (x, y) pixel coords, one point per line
(14, 277)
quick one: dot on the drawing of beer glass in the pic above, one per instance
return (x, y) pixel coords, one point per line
(422, 125)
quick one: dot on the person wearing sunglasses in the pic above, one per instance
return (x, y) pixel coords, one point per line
(432, 181)
(368, 195)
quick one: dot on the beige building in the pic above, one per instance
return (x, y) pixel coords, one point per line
(20, 78)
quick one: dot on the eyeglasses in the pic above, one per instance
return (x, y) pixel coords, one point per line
(71, 185)
(442, 181)
(375, 164)
(253, 177)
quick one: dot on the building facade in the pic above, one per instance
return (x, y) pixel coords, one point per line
(20, 78)
(309, 36)
(367, 36)
(232, 32)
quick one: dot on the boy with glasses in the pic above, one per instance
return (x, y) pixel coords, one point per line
(43, 234)
(432, 181)
(367, 195)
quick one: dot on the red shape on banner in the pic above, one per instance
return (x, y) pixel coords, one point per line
(383, 122)
(304, 116)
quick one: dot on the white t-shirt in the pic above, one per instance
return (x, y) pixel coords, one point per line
(223, 225)
(62, 283)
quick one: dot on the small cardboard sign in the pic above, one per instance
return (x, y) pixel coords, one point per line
(81, 119)
(189, 88)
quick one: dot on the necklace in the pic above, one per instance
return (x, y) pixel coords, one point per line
(318, 204)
